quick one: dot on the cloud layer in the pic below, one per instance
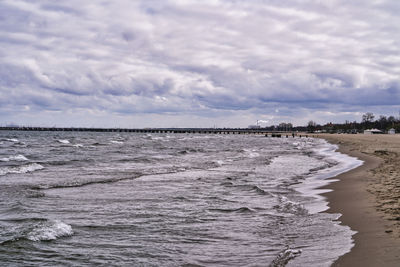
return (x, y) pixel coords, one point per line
(188, 63)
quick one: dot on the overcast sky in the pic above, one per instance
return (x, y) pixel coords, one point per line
(184, 63)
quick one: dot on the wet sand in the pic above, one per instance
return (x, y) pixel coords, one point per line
(369, 198)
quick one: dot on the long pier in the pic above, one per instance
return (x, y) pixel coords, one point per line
(259, 131)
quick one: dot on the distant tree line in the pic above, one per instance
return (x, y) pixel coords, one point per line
(368, 121)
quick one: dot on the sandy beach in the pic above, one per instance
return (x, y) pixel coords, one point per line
(369, 198)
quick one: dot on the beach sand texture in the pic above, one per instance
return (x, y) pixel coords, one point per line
(369, 198)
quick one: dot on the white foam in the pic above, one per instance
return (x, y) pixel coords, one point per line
(219, 162)
(63, 141)
(116, 142)
(311, 185)
(78, 145)
(292, 165)
(251, 153)
(298, 145)
(148, 136)
(285, 256)
(50, 230)
(21, 169)
(288, 206)
(12, 140)
(14, 158)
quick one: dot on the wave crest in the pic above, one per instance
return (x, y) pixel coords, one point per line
(49, 230)
(21, 169)
(39, 229)
(284, 257)
(11, 140)
(287, 206)
(14, 158)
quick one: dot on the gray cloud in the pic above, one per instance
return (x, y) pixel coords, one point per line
(211, 59)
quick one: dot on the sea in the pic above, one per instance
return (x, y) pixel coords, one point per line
(134, 199)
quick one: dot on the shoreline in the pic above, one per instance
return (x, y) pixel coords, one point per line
(377, 241)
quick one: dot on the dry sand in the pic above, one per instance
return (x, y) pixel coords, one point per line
(369, 198)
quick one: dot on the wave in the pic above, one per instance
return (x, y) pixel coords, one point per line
(238, 210)
(211, 164)
(78, 145)
(34, 194)
(67, 161)
(97, 144)
(284, 257)
(288, 206)
(139, 159)
(333, 164)
(21, 169)
(116, 142)
(254, 188)
(219, 163)
(24, 220)
(251, 153)
(327, 165)
(63, 141)
(258, 190)
(337, 162)
(188, 150)
(38, 229)
(12, 140)
(227, 184)
(81, 183)
(14, 158)
(49, 230)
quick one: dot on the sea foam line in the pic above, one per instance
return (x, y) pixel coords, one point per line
(311, 186)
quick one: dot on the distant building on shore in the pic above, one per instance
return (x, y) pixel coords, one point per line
(392, 131)
(372, 131)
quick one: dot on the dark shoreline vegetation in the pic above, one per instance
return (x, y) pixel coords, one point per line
(368, 121)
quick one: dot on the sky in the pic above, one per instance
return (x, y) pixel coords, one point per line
(208, 63)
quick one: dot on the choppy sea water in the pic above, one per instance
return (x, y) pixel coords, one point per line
(83, 199)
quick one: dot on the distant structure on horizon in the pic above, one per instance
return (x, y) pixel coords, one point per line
(372, 131)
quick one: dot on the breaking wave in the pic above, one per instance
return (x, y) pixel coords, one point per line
(12, 140)
(284, 257)
(288, 206)
(14, 158)
(21, 169)
(38, 229)
(251, 153)
(49, 230)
